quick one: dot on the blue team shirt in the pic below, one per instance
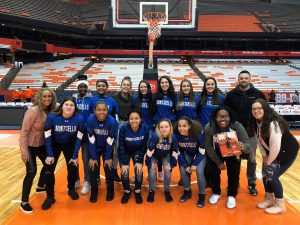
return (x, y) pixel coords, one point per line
(102, 136)
(85, 107)
(192, 147)
(187, 108)
(113, 107)
(147, 117)
(207, 109)
(162, 149)
(164, 108)
(131, 142)
(61, 131)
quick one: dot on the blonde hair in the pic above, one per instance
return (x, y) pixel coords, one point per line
(38, 100)
(160, 137)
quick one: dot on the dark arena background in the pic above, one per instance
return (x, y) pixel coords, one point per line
(56, 41)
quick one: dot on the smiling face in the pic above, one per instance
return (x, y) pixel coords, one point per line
(258, 111)
(186, 88)
(222, 119)
(164, 128)
(46, 98)
(68, 109)
(244, 80)
(210, 86)
(164, 84)
(82, 89)
(183, 127)
(101, 112)
(143, 88)
(125, 86)
(134, 120)
(101, 88)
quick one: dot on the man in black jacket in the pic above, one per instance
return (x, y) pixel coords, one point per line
(240, 100)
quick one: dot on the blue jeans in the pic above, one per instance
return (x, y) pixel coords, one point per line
(186, 177)
(275, 185)
(138, 178)
(152, 173)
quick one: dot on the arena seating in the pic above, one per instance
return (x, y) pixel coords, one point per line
(264, 77)
(113, 72)
(178, 72)
(4, 70)
(53, 73)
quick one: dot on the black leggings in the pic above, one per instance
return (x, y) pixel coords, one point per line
(94, 175)
(31, 170)
(49, 169)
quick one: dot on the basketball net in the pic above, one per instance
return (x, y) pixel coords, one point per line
(154, 21)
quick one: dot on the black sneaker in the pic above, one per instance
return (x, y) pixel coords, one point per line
(125, 197)
(26, 208)
(138, 198)
(110, 196)
(252, 189)
(150, 197)
(40, 190)
(94, 196)
(116, 176)
(168, 196)
(201, 200)
(47, 203)
(187, 194)
(73, 194)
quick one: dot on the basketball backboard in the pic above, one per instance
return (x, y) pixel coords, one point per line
(180, 14)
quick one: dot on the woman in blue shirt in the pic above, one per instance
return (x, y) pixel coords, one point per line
(192, 156)
(187, 102)
(102, 130)
(145, 104)
(63, 133)
(162, 146)
(210, 100)
(133, 139)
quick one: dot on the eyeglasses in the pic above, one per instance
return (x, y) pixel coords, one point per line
(257, 108)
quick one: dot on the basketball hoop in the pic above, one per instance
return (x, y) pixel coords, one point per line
(154, 20)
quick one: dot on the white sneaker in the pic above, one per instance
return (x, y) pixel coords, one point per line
(160, 177)
(230, 202)
(77, 184)
(86, 188)
(214, 199)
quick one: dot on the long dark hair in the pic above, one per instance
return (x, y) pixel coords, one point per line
(215, 113)
(215, 93)
(270, 115)
(181, 94)
(171, 91)
(148, 96)
(59, 110)
(195, 129)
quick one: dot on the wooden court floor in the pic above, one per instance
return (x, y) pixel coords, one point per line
(66, 211)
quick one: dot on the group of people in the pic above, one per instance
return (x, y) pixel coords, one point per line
(19, 94)
(162, 130)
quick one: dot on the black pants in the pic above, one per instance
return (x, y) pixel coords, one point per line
(125, 177)
(28, 100)
(94, 175)
(233, 175)
(31, 170)
(49, 169)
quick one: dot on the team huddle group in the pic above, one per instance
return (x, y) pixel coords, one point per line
(162, 130)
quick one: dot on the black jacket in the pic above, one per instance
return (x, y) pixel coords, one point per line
(240, 102)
